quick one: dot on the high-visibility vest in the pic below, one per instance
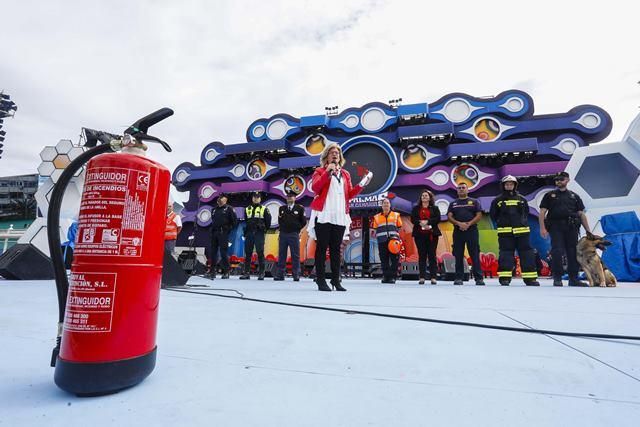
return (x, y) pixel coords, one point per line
(171, 228)
(257, 213)
(387, 227)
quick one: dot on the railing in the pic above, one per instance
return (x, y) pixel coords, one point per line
(9, 237)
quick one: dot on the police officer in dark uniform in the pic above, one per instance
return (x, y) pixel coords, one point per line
(464, 213)
(510, 212)
(561, 214)
(291, 220)
(258, 221)
(223, 220)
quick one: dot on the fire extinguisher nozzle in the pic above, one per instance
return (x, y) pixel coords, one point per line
(55, 352)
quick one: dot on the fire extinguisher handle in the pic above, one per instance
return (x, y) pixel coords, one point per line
(145, 137)
(143, 124)
(139, 129)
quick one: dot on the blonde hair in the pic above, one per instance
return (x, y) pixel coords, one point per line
(325, 154)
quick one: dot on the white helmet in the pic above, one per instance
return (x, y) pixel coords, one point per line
(510, 178)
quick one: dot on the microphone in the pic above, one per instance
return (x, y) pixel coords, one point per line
(336, 171)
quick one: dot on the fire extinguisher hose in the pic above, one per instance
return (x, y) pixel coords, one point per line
(53, 234)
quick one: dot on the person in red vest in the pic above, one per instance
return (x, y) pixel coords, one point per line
(425, 217)
(172, 228)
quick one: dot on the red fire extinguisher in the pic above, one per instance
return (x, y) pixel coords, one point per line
(108, 339)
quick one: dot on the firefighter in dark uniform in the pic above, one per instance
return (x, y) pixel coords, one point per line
(510, 212)
(561, 214)
(223, 220)
(258, 221)
(291, 220)
(465, 213)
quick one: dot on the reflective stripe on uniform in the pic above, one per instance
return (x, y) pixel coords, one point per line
(505, 273)
(171, 228)
(511, 202)
(521, 230)
(504, 230)
(529, 275)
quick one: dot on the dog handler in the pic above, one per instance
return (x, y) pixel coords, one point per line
(561, 214)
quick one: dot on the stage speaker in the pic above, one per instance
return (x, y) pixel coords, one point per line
(449, 265)
(188, 260)
(172, 272)
(25, 262)
(410, 270)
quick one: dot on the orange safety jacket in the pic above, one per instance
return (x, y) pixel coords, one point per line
(387, 227)
(171, 228)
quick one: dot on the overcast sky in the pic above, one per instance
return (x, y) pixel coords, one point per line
(222, 64)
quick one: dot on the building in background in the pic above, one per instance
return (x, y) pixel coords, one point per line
(17, 201)
(17, 207)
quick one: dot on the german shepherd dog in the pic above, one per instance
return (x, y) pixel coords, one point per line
(597, 273)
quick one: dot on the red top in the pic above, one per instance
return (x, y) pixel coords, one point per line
(320, 183)
(425, 214)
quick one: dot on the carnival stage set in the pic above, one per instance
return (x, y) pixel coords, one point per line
(458, 138)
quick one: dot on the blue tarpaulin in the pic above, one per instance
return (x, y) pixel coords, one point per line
(623, 256)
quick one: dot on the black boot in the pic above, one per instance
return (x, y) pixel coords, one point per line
(531, 282)
(504, 281)
(322, 286)
(261, 275)
(245, 276)
(225, 275)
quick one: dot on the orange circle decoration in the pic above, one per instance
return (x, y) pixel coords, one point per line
(315, 144)
(466, 173)
(256, 169)
(414, 157)
(294, 183)
(487, 130)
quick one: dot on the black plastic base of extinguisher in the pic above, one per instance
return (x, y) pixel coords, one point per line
(97, 379)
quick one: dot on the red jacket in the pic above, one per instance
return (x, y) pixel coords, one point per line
(320, 183)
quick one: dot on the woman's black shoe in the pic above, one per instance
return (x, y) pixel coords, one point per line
(322, 286)
(338, 287)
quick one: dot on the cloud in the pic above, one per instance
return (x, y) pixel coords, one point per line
(221, 65)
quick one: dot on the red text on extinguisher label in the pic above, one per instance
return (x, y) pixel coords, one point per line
(90, 302)
(112, 212)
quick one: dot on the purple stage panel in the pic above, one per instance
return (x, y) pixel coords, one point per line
(533, 169)
(244, 186)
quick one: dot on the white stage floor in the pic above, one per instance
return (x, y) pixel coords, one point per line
(226, 362)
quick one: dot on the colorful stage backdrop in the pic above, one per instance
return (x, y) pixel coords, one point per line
(458, 138)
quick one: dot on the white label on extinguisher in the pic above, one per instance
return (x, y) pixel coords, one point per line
(90, 302)
(112, 212)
